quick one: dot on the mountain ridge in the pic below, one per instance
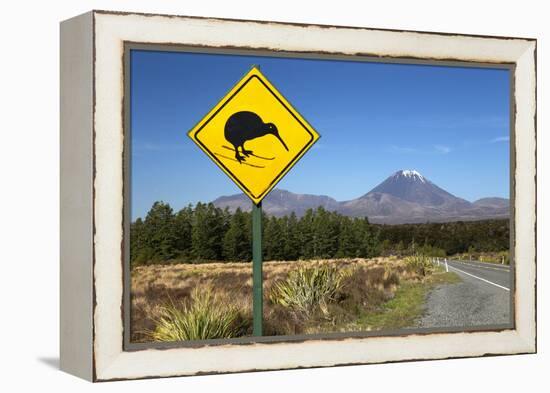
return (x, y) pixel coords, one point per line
(404, 197)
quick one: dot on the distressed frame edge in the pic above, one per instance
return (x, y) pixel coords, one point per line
(304, 24)
(528, 339)
(76, 196)
(525, 156)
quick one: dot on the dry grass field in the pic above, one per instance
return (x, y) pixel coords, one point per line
(300, 297)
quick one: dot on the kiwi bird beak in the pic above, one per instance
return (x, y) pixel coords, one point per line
(280, 139)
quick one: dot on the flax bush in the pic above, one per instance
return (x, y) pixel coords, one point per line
(420, 264)
(309, 287)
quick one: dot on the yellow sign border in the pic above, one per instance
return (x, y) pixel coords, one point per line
(253, 73)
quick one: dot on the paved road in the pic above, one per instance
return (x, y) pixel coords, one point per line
(482, 298)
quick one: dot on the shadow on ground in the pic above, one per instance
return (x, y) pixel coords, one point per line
(52, 362)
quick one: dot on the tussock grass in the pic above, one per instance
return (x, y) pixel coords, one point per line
(205, 316)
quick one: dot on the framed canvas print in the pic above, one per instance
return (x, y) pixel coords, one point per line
(247, 195)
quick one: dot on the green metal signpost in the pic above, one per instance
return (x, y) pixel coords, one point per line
(257, 279)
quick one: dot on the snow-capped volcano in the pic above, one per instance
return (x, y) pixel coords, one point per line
(411, 186)
(404, 197)
(410, 173)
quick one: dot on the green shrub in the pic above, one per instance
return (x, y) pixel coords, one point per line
(309, 287)
(431, 251)
(205, 316)
(420, 264)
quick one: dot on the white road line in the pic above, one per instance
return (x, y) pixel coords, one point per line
(446, 266)
(502, 269)
(487, 264)
(495, 265)
(482, 279)
(484, 268)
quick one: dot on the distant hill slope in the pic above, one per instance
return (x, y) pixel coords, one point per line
(493, 202)
(404, 197)
(280, 202)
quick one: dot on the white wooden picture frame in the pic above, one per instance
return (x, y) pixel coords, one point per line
(93, 193)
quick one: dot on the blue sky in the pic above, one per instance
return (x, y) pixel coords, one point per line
(449, 123)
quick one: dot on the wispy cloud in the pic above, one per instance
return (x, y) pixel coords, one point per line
(442, 149)
(500, 139)
(493, 122)
(402, 149)
(153, 147)
(435, 149)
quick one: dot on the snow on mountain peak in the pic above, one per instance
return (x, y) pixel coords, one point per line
(411, 174)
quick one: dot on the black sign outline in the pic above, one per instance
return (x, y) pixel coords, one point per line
(280, 175)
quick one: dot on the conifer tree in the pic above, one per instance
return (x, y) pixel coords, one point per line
(306, 235)
(160, 233)
(237, 244)
(138, 244)
(209, 226)
(368, 243)
(292, 238)
(274, 238)
(347, 239)
(183, 223)
(325, 230)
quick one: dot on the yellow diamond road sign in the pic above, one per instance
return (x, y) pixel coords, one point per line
(254, 135)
